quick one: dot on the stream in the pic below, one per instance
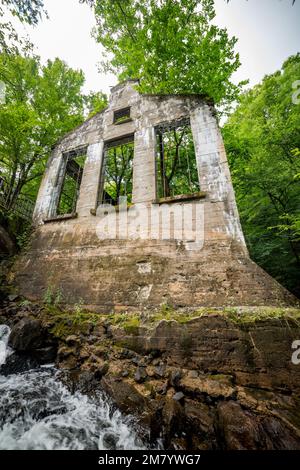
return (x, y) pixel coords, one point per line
(37, 411)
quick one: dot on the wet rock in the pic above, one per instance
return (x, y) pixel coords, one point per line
(102, 370)
(160, 370)
(64, 352)
(102, 352)
(175, 378)
(162, 388)
(280, 437)
(84, 354)
(155, 353)
(140, 375)
(82, 381)
(213, 386)
(27, 335)
(173, 418)
(238, 428)
(110, 441)
(72, 340)
(125, 395)
(178, 396)
(200, 424)
(45, 355)
(13, 297)
(135, 360)
(67, 357)
(126, 354)
(17, 363)
(193, 374)
(156, 362)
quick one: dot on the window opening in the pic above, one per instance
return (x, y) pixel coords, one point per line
(116, 180)
(176, 166)
(73, 170)
(122, 115)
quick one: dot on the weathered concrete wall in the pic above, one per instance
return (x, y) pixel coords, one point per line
(142, 270)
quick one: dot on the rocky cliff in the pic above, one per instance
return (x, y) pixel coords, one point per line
(206, 379)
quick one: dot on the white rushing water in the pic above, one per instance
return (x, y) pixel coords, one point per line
(4, 349)
(38, 412)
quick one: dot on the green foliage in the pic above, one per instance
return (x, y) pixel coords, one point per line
(53, 297)
(48, 296)
(28, 11)
(58, 297)
(42, 103)
(131, 325)
(24, 303)
(71, 185)
(262, 139)
(23, 236)
(171, 45)
(118, 172)
(176, 162)
(95, 102)
(78, 308)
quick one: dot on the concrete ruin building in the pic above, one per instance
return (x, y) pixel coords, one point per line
(136, 209)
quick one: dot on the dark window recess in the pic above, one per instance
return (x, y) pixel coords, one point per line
(73, 169)
(116, 176)
(122, 115)
(176, 167)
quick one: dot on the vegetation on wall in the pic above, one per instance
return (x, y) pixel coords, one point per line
(95, 103)
(262, 140)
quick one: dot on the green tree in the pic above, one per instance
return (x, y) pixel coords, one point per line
(28, 11)
(95, 102)
(262, 139)
(41, 104)
(171, 45)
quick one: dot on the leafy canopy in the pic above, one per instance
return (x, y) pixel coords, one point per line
(96, 102)
(262, 139)
(28, 11)
(171, 45)
(41, 104)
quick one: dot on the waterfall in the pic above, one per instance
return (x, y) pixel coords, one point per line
(37, 411)
(4, 349)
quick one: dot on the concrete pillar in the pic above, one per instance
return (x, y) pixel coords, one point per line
(144, 166)
(89, 187)
(214, 174)
(49, 189)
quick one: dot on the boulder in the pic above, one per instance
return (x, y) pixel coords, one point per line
(241, 429)
(179, 396)
(7, 244)
(124, 394)
(173, 418)
(140, 374)
(17, 363)
(27, 335)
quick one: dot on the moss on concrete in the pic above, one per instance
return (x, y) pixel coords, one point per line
(239, 315)
(66, 323)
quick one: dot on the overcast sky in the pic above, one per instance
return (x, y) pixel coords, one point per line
(267, 31)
